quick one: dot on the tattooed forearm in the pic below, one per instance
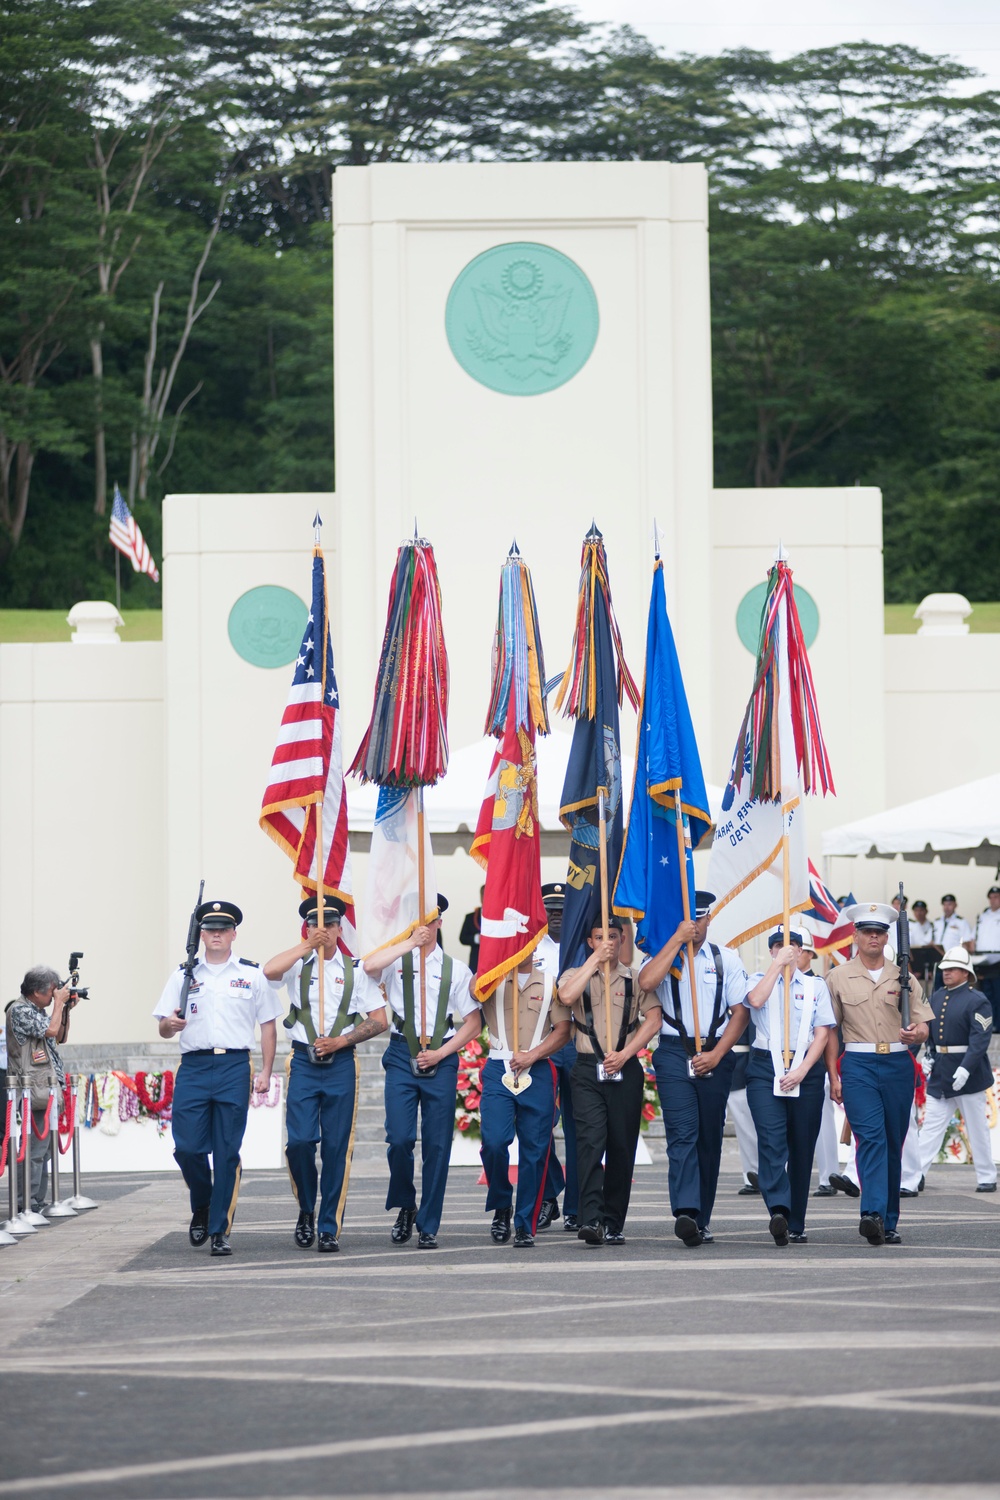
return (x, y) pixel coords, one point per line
(364, 1030)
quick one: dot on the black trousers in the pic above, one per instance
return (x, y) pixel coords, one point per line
(607, 1124)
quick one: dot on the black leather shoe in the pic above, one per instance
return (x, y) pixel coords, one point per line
(500, 1228)
(838, 1180)
(687, 1230)
(754, 1181)
(872, 1229)
(305, 1230)
(593, 1234)
(825, 1190)
(748, 1191)
(221, 1245)
(427, 1241)
(403, 1227)
(523, 1240)
(986, 1187)
(909, 1192)
(707, 1237)
(613, 1237)
(921, 1184)
(571, 1223)
(778, 1229)
(198, 1231)
(328, 1243)
(892, 1238)
(548, 1213)
(797, 1239)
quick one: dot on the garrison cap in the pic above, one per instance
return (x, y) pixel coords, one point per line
(554, 894)
(615, 924)
(703, 903)
(777, 936)
(215, 916)
(874, 914)
(333, 909)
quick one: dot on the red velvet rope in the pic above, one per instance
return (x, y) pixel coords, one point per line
(6, 1135)
(67, 1119)
(43, 1135)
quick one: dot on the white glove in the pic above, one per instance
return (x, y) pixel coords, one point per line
(960, 1079)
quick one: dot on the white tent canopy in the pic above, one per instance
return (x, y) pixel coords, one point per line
(452, 806)
(955, 827)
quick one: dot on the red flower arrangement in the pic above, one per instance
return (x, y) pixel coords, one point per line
(163, 1084)
(471, 1061)
(650, 1093)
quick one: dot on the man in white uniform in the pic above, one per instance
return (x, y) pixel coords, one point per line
(987, 953)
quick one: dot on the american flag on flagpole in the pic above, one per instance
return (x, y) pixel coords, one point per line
(307, 767)
(124, 534)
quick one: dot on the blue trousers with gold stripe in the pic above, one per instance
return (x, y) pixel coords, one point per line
(435, 1095)
(530, 1116)
(209, 1116)
(322, 1109)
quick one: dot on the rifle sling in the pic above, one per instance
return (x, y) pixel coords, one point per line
(303, 1011)
(442, 1019)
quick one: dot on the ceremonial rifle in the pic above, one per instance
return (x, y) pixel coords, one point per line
(192, 953)
(903, 958)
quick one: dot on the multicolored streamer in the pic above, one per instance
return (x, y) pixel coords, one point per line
(406, 742)
(577, 695)
(518, 661)
(761, 759)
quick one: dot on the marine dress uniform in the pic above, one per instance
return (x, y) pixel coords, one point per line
(987, 956)
(212, 1088)
(608, 1111)
(694, 1109)
(546, 958)
(788, 1123)
(449, 995)
(529, 1112)
(876, 1071)
(322, 1103)
(961, 1074)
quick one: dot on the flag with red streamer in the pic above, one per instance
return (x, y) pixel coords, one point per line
(508, 838)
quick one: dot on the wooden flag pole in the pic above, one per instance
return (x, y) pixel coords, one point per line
(604, 915)
(786, 920)
(683, 844)
(422, 903)
(514, 981)
(320, 915)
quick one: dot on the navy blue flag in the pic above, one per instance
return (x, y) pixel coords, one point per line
(653, 870)
(595, 760)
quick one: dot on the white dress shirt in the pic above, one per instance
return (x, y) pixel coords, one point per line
(988, 932)
(546, 957)
(460, 1000)
(365, 995)
(921, 933)
(225, 1002)
(949, 932)
(734, 990)
(822, 1009)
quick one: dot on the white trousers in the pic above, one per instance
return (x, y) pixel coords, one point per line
(826, 1141)
(912, 1170)
(746, 1132)
(938, 1112)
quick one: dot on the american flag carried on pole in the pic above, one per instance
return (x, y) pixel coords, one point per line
(124, 534)
(305, 794)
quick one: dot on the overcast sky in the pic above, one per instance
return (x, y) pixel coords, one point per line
(966, 29)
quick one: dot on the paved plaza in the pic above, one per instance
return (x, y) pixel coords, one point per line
(136, 1366)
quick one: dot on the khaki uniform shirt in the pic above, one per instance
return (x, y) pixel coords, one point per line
(869, 1012)
(530, 1000)
(641, 1004)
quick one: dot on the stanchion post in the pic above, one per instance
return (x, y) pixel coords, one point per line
(56, 1209)
(78, 1202)
(14, 1224)
(28, 1214)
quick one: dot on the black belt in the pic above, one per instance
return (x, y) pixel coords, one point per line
(706, 1041)
(214, 1051)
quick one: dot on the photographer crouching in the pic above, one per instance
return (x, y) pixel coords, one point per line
(33, 1061)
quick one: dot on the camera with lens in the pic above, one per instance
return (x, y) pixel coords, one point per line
(76, 990)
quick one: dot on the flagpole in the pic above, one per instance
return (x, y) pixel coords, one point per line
(785, 923)
(118, 581)
(422, 903)
(683, 844)
(320, 915)
(604, 915)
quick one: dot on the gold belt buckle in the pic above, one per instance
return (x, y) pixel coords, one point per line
(881, 1046)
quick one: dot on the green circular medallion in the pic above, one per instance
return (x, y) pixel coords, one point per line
(522, 319)
(750, 606)
(266, 626)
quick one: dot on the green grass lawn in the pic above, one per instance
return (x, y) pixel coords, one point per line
(984, 620)
(50, 625)
(147, 624)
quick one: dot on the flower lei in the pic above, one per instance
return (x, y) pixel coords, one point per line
(471, 1061)
(159, 1100)
(108, 1090)
(271, 1098)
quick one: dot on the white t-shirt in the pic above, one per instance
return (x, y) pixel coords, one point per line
(225, 1002)
(876, 974)
(365, 994)
(459, 1001)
